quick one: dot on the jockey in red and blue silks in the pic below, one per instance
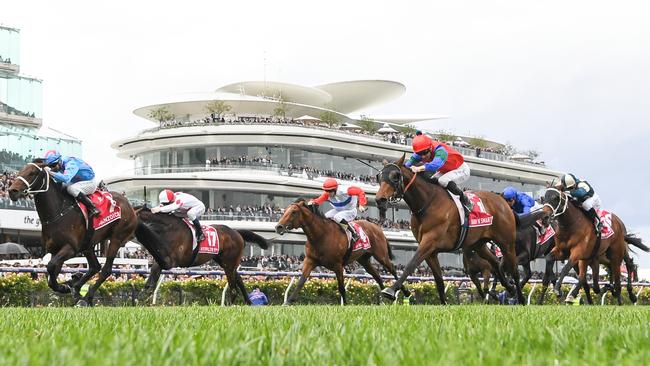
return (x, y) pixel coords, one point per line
(344, 199)
(76, 175)
(520, 202)
(448, 164)
(584, 193)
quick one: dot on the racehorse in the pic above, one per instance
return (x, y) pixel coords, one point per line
(170, 240)
(327, 246)
(435, 223)
(475, 265)
(64, 230)
(528, 250)
(576, 241)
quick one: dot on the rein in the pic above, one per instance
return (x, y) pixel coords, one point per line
(400, 190)
(563, 197)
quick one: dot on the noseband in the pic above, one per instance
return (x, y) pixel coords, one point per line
(397, 185)
(44, 182)
(561, 207)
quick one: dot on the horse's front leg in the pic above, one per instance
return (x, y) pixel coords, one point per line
(340, 279)
(54, 268)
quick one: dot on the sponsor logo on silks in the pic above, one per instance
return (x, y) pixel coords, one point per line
(108, 219)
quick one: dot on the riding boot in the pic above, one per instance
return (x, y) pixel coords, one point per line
(198, 230)
(453, 188)
(594, 216)
(92, 210)
(349, 227)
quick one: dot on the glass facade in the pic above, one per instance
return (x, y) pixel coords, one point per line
(21, 143)
(10, 45)
(21, 96)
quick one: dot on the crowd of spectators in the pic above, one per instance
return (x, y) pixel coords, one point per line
(6, 179)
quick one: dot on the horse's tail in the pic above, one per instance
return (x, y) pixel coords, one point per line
(637, 242)
(150, 240)
(527, 220)
(250, 236)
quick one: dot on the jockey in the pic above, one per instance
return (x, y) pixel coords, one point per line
(77, 177)
(183, 204)
(344, 200)
(448, 164)
(584, 193)
(520, 202)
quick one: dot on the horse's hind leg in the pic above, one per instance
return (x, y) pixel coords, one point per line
(548, 274)
(93, 267)
(364, 261)
(54, 268)
(152, 282)
(629, 265)
(388, 264)
(307, 266)
(340, 279)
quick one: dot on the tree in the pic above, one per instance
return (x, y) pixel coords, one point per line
(407, 129)
(443, 135)
(218, 107)
(509, 149)
(532, 154)
(162, 114)
(478, 142)
(280, 110)
(368, 125)
(329, 116)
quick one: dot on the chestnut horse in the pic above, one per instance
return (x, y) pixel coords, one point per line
(64, 232)
(435, 223)
(577, 242)
(327, 246)
(169, 240)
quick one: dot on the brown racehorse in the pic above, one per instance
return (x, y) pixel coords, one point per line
(64, 233)
(577, 242)
(327, 246)
(435, 223)
(169, 240)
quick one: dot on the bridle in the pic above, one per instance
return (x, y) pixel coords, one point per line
(399, 188)
(44, 182)
(560, 209)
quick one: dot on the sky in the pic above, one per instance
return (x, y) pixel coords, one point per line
(568, 79)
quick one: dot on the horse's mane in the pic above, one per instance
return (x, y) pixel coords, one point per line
(313, 208)
(38, 161)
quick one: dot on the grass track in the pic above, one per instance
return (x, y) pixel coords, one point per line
(326, 335)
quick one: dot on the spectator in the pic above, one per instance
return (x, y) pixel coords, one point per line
(257, 297)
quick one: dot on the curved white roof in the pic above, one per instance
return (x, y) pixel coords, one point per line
(262, 98)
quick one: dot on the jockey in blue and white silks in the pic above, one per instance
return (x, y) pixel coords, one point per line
(77, 177)
(344, 199)
(520, 202)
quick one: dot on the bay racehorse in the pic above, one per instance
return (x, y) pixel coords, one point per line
(170, 240)
(436, 225)
(64, 231)
(577, 242)
(327, 246)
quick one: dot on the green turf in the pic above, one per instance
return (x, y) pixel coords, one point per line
(326, 335)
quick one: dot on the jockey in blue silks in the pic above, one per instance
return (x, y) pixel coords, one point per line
(77, 177)
(520, 202)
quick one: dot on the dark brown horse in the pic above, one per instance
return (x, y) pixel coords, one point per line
(169, 240)
(475, 265)
(64, 233)
(327, 246)
(577, 242)
(435, 223)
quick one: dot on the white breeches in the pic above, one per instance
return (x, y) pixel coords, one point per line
(347, 215)
(591, 202)
(195, 211)
(458, 176)
(86, 187)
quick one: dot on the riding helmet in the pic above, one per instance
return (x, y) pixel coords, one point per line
(509, 193)
(421, 142)
(330, 184)
(51, 157)
(166, 196)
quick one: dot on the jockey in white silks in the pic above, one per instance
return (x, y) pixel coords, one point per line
(184, 204)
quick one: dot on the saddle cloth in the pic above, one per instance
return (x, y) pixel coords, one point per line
(546, 235)
(109, 211)
(363, 242)
(478, 216)
(606, 220)
(209, 245)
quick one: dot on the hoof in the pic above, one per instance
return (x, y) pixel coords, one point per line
(81, 304)
(389, 293)
(569, 299)
(406, 292)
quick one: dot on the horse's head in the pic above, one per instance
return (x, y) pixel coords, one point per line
(294, 216)
(391, 183)
(32, 178)
(555, 202)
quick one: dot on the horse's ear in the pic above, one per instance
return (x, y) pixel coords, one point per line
(400, 162)
(38, 161)
(384, 162)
